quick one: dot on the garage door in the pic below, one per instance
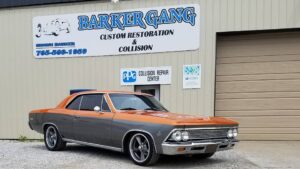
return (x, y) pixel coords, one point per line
(258, 84)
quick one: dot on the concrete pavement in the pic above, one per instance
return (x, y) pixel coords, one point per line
(251, 154)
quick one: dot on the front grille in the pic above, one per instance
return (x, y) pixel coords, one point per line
(206, 134)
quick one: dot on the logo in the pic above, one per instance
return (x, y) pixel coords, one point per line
(141, 19)
(193, 70)
(129, 76)
(53, 28)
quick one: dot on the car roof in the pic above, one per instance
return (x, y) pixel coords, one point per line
(110, 91)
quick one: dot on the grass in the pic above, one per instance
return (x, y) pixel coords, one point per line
(22, 138)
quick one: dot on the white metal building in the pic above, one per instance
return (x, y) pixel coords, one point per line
(249, 54)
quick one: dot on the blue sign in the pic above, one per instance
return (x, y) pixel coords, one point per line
(129, 76)
(142, 19)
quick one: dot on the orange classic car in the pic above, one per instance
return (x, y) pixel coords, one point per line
(133, 123)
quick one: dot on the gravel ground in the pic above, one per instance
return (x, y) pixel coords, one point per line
(31, 155)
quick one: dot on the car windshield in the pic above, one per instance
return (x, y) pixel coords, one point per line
(135, 102)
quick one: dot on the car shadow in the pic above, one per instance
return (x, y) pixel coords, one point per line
(89, 151)
(164, 161)
(188, 161)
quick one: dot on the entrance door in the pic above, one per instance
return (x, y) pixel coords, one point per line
(149, 89)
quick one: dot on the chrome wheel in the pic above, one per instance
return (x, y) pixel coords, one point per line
(51, 137)
(139, 148)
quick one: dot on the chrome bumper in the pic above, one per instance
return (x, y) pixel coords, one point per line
(197, 147)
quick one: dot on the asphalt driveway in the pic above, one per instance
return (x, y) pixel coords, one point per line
(31, 155)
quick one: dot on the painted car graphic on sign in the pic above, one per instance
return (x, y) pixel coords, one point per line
(53, 28)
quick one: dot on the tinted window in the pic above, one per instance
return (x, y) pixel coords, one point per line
(105, 106)
(90, 101)
(135, 102)
(74, 105)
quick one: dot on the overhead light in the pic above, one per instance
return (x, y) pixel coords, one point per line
(115, 1)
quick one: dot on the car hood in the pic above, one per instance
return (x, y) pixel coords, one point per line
(179, 118)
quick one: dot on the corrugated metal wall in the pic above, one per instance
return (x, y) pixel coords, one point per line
(28, 83)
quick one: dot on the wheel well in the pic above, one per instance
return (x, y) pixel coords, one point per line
(126, 140)
(129, 135)
(48, 124)
(45, 126)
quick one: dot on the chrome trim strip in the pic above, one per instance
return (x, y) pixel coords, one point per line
(138, 130)
(93, 145)
(49, 124)
(172, 149)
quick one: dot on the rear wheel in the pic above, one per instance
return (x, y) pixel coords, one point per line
(142, 150)
(52, 139)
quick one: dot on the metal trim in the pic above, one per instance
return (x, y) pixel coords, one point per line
(14, 4)
(93, 145)
(104, 97)
(138, 130)
(171, 149)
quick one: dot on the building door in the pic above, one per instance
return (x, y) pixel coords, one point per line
(149, 89)
(258, 84)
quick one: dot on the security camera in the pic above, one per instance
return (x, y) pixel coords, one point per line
(115, 1)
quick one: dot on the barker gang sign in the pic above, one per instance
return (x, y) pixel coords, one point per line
(159, 29)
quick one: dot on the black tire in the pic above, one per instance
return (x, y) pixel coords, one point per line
(150, 158)
(53, 143)
(203, 156)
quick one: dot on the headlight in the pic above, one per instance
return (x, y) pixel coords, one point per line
(185, 136)
(230, 133)
(176, 136)
(235, 132)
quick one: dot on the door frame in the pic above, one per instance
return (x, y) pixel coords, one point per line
(138, 88)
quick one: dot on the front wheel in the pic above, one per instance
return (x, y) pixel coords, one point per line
(52, 139)
(142, 150)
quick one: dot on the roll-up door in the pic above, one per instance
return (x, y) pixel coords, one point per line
(258, 84)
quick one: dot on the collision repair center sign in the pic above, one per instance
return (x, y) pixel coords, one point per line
(146, 75)
(150, 30)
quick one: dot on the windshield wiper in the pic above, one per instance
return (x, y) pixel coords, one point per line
(152, 108)
(128, 108)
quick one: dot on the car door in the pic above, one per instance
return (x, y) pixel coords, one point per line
(66, 118)
(93, 126)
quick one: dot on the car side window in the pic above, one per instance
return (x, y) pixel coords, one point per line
(105, 107)
(75, 103)
(90, 101)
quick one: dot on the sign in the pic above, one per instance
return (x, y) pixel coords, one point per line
(134, 31)
(191, 76)
(146, 76)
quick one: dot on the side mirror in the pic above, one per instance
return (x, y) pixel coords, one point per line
(97, 109)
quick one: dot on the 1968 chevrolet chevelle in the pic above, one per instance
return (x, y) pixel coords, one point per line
(133, 123)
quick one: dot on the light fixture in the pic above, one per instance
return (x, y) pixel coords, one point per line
(185, 136)
(230, 134)
(235, 132)
(176, 136)
(115, 1)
